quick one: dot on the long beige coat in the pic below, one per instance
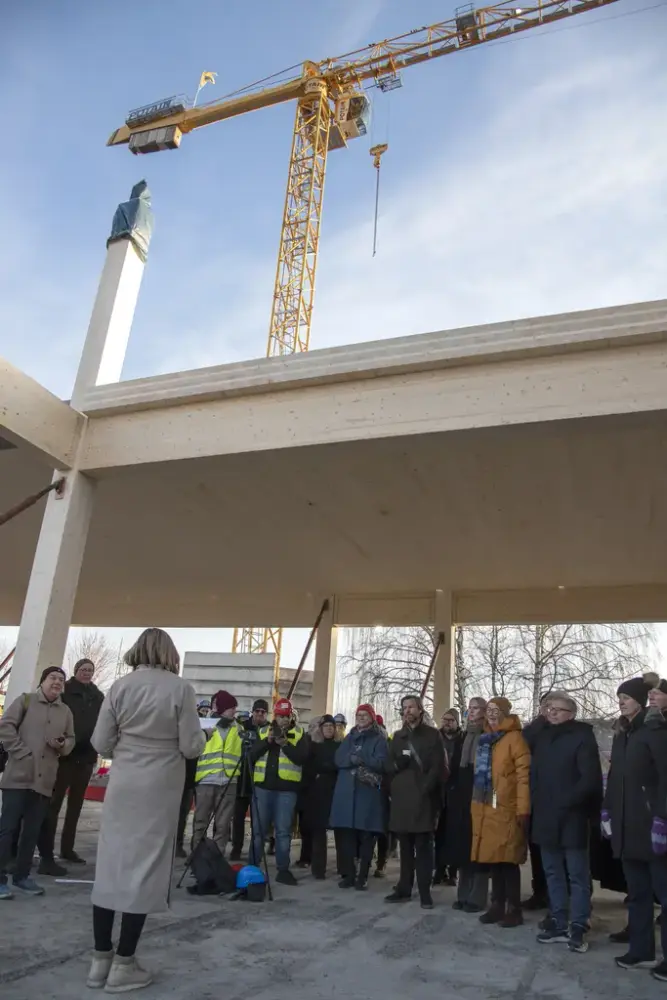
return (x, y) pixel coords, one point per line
(25, 729)
(148, 724)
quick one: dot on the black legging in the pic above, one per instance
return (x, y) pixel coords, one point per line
(356, 843)
(131, 926)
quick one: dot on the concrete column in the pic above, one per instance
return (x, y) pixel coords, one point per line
(443, 670)
(324, 678)
(49, 603)
(47, 612)
(111, 320)
(110, 324)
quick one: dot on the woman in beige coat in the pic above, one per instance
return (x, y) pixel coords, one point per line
(149, 725)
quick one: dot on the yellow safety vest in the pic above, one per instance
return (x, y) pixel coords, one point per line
(287, 771)
(220, 756)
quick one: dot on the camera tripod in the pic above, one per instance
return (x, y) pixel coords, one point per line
(248, 776)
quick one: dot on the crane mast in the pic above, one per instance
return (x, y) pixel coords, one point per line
(331, 109)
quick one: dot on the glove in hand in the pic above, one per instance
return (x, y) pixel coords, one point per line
(659, 835)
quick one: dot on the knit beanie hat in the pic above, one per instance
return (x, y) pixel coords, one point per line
(51, 670)
(638, 688)
(454, 712)
(327, 719)
(367, 708)
(224, 700)
(260, 703)
(340, 719)
(504, 704)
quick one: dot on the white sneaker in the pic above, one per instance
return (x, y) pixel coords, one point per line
(100, 968)
(126, 975)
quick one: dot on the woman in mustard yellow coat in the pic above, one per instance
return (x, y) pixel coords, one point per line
(501, 810)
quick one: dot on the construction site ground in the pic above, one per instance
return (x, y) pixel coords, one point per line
(314, 941)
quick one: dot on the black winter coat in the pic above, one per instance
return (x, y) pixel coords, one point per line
(320, 773)
(455, 829)
(532, 731)
(84, 702)
(565, 785)
(416, 789)
(637, 786)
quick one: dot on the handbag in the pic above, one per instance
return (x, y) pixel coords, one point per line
(365, 776)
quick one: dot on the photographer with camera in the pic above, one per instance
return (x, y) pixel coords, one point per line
(249, 730)
(216, 775)
(278, 756)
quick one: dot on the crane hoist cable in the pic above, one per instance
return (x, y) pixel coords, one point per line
(377, 153)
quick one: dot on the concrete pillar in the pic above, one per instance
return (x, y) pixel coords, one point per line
(324, 677)
(49, 603)
(110, 324)
(47, 612)
(443, 670)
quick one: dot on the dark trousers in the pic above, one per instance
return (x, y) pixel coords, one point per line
(645, 880)
(416, 857)
(318, 853)
(24, 810)
(131, 926)
(73, 777)
(386, 844)
(187, 799)
(473, 887)
(539, 879)
(506, 886)
(238, 823)
(306, 856)
(356, 843)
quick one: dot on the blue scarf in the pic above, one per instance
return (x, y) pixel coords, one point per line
(482, 785)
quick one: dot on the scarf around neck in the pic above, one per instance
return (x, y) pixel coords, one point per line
(469, 749)
(482, 786)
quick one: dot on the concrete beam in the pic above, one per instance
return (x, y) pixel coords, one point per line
(594, 383)
(562, 605)
(30, 414)
(540, 336)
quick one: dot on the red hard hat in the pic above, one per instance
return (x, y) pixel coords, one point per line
(283, 707)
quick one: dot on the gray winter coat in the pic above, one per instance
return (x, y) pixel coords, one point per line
(149, 725)
(25, 729)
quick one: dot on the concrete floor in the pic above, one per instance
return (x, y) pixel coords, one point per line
(314, 942)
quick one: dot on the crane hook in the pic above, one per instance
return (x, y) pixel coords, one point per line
(377, 153)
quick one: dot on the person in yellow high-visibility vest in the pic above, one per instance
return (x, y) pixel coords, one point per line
(217, 772)
(277, 756)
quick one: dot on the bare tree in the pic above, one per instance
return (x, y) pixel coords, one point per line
(95, 646)
(390, 661)
(519, 662)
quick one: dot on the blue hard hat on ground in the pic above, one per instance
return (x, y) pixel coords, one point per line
(249, 875)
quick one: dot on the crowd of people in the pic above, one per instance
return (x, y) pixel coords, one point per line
(465, 804)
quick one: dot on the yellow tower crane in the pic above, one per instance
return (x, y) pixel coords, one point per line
(331, 109)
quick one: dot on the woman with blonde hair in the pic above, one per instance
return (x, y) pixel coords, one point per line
(149, 725)
(501, 810)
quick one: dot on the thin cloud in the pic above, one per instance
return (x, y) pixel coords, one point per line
(553, 203)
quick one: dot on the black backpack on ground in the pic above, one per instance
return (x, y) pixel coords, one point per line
(213, 874)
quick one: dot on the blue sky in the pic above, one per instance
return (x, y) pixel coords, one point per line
(522, 178)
